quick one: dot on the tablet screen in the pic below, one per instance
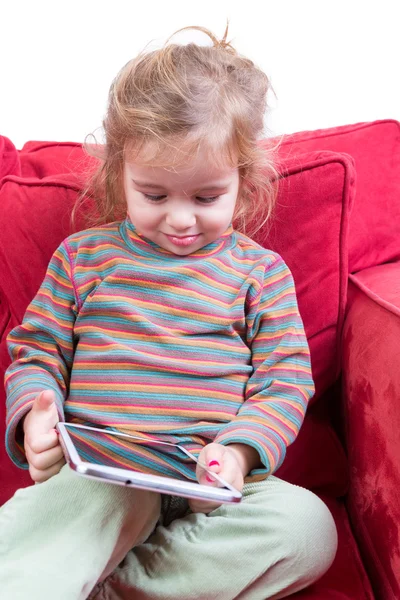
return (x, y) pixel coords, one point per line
(138, 452)
(139, 461)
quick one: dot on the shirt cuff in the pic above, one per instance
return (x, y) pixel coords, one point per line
(14, 431)
(271, 456)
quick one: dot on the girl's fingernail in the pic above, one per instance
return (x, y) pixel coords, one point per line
(213, 462)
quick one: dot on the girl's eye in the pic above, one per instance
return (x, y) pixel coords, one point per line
(201, 199)
(208, 200)
(154, 198)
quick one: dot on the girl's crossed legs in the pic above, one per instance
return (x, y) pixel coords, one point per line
(60, 537)
(278, 540)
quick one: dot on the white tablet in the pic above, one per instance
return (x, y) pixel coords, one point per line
(82, 464)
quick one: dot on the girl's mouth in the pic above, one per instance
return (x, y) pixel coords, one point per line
(186, 240)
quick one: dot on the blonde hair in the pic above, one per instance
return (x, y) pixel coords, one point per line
(177, 101)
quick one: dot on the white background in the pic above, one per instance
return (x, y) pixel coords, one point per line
(331, 62)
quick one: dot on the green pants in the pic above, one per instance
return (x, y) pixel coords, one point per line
(72, 538)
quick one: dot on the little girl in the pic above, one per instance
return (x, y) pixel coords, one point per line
(170, 324)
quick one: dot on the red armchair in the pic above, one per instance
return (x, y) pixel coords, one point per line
(337, 225)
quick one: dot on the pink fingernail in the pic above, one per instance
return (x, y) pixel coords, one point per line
(210, 479)
(213, 462)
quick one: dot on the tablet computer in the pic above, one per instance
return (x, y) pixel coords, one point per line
(70, 436)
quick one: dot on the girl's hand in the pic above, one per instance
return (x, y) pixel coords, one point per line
(228, 463)
(43, 451)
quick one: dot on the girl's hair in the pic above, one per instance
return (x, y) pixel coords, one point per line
(179, 100)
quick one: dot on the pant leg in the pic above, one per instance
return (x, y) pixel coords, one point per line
(278, 540)
(58, 538)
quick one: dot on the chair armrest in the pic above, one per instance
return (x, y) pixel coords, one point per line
(11, 478)
(371, 393)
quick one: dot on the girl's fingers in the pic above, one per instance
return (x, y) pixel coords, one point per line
(212, 453)
(42, 442)
(40, 476)
(205, 507)
(44, 400)
(211, 456)
(206, 479)
(43, 415)
(229, 468)
(44, 460)
(222, 461)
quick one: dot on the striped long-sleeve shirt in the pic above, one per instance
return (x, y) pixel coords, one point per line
(185, 349)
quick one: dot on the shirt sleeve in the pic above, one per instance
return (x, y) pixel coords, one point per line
(280, 386)
(41, 350)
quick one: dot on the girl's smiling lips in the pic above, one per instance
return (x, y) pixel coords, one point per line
(185, 240)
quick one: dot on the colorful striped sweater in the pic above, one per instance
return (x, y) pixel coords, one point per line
(193, 349)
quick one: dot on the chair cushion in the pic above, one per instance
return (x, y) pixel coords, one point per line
(34, 219)
(316, 460)
(42, 159)
(310, 231)
(9, 158)
(375, 147)
(11, 477)
(371, 379)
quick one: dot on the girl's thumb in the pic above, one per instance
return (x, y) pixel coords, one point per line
(44, 400)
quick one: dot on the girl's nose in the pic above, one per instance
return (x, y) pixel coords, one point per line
(180, 218)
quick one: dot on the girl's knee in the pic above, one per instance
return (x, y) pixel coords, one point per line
(311, 535)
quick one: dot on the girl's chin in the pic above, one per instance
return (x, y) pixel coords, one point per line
(181, 251)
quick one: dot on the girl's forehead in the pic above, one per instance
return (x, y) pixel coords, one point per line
(188, 176)
(196, 170)
(190, 170)
(179, 160)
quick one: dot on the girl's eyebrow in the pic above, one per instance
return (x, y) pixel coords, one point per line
(209, 186)
(144, 184)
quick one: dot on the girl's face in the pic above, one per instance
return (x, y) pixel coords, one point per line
(181, 209)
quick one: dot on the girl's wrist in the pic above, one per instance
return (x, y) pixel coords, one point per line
(247, 457)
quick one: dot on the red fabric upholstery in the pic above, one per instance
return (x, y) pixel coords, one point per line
(316, 460)
(34, 219)
(371, 358)
(375, 219)
(9, 158)
(310, 231)
(28, 238)
(10, 476)
(42, 159)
